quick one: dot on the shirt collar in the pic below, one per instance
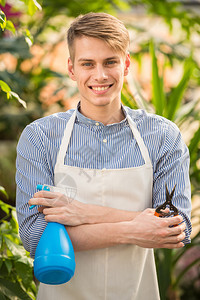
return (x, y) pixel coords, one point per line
(82, 119)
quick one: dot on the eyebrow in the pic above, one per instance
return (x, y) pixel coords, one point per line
(85, 59)
(111, 58)
(91, 60)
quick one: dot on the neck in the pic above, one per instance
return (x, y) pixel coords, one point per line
(106, 115)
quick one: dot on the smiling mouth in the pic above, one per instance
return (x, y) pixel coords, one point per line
(100, 88)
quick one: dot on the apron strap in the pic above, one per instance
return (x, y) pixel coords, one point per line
(65, 140)
(137, 136)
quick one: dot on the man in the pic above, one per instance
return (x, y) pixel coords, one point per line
(118, 160)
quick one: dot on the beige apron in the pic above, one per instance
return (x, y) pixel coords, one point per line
(121, 272)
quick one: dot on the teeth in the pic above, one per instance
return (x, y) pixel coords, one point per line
(103, 88)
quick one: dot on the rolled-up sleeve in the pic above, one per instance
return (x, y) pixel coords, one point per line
(172, 168)
(31, 169)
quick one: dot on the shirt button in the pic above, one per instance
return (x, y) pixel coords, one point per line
(105, 140)
(97, 123)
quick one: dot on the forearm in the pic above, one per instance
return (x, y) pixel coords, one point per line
(57, 208)
(103, 228)
(96, 214)
(145, 230)
(95, 236)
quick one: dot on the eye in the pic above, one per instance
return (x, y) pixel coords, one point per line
(111, 62)
(87, 64)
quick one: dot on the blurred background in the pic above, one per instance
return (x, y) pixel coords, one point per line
(164, 79)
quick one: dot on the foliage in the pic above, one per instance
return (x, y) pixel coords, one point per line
(16, 267)
(32, 5)
(23, 85)
(170, 105)
(169, 278)
(81, 7)
(171, 10)
(16, 275)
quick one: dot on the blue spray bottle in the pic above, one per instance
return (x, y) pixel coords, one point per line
(54, 257)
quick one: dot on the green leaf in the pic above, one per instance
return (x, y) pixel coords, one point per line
(2, 20)
(16, 250)
(25, 272)
(14, 95)
(28, 37)
(158, 96)
(4, 207)
(33, 6)
(194, 149)
(13, 290)
(8, 264)
(3, 2)
(6, 204)
(2, 296)
(164, 269)
(177, 93)
(1, 263)
(13, 221)
(10, 26)
(4, 271)
(16, 46)
(9, 93)
(5, 88)
(3, 191)
(193, 146)
(26, 260)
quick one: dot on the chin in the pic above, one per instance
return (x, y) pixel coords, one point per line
(102, 101)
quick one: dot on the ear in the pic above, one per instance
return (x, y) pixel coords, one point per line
(71, 69)
(127, 64)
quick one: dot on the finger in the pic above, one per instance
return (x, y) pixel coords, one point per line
(56, 218)
(47, 194)
(176, 238)
(47, 211)
(42, 201)
(52, 195)
(177, 229)
(173, 246)
(174, 220)
(52, 211)
(41, 208)
(166, 210)
(58, 200)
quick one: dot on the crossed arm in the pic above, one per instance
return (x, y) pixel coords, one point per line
(91, 226)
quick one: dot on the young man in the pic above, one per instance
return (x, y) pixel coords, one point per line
(118, 160)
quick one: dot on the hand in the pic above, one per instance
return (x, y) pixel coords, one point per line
(59, 208)
(149, 231)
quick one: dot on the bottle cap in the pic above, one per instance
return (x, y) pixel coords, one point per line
(41, 187)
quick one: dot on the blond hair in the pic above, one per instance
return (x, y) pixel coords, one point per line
(102, 26)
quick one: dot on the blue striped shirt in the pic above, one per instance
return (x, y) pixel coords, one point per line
(39, 144)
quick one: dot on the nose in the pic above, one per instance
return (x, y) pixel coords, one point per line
(100, 73)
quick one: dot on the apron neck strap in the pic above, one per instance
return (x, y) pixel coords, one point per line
(139, 140)
(65, 140)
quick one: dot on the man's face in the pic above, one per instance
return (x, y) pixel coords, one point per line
(99, 72)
